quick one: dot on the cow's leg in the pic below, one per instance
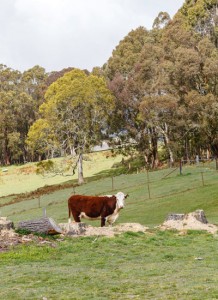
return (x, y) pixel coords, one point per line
(76, 216)
(103, 221)
(110, 224)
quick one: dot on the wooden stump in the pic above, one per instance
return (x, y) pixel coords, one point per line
(73, 228)
(199, 215)
(175, 217)
(6, 224)
(43, 225)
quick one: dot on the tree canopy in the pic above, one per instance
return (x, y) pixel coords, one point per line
(74, 114)
(159, 87)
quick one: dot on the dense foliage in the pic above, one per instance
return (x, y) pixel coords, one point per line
(168, 92)
(164, 82)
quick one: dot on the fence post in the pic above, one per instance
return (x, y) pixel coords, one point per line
(202, 178)
(44, 212)
(180, 167)
(149, 192)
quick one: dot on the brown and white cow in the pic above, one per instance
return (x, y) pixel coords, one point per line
(105, 208)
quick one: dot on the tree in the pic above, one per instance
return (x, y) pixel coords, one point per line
(41, 141)
(159, 113)
(33, 82)
(126, 53)
(201, 15)
(75, 111)
(20, 95)
(150, 91)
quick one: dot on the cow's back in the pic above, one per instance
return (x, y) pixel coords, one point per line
(92, 206)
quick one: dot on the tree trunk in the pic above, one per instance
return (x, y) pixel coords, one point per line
(5, 149)
(72, 151)
(167, 144)
(80, 169)
(154, 148)
(208, 154)
(44, 225)
(187, 150)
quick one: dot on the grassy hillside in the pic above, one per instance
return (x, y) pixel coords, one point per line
(151, 265)
(148, 204)
(22, 179)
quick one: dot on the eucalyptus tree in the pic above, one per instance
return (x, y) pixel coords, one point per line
(193, 65)
(33, 82)
(126, 54)
(15, 107)
(201, 15)
(75, 114)
(146, 77)
(174, 60)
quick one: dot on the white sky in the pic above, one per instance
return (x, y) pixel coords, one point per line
(57, 34)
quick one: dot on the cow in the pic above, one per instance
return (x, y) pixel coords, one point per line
(105, 208)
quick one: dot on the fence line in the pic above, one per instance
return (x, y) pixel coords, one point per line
(149, 185)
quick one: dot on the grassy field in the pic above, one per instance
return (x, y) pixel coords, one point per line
(154, 265)
(147, 204)
(151, 265)
(22, 179)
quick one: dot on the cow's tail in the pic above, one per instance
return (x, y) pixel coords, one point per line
(69, 216)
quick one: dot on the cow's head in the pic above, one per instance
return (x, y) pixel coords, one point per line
(120, 199)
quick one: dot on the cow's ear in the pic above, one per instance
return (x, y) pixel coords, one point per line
(127, 195)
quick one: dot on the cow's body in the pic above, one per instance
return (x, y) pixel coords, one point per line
(105, 208)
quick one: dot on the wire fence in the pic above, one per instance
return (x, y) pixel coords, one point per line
(185, 176)
(145, 185)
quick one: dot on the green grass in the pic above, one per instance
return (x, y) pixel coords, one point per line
(154, 265)
(23, 179)
(173, 193)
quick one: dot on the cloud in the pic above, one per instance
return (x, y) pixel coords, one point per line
(77, 33)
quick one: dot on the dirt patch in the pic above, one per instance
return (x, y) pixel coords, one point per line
(10, 239)
(26, 170)
(82, 229)
(181, 222)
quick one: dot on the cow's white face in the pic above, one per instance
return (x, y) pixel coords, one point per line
(120, 199)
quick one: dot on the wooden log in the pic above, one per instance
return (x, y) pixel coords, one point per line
(43, 225)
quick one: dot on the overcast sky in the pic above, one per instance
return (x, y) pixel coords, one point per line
(56, 34)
